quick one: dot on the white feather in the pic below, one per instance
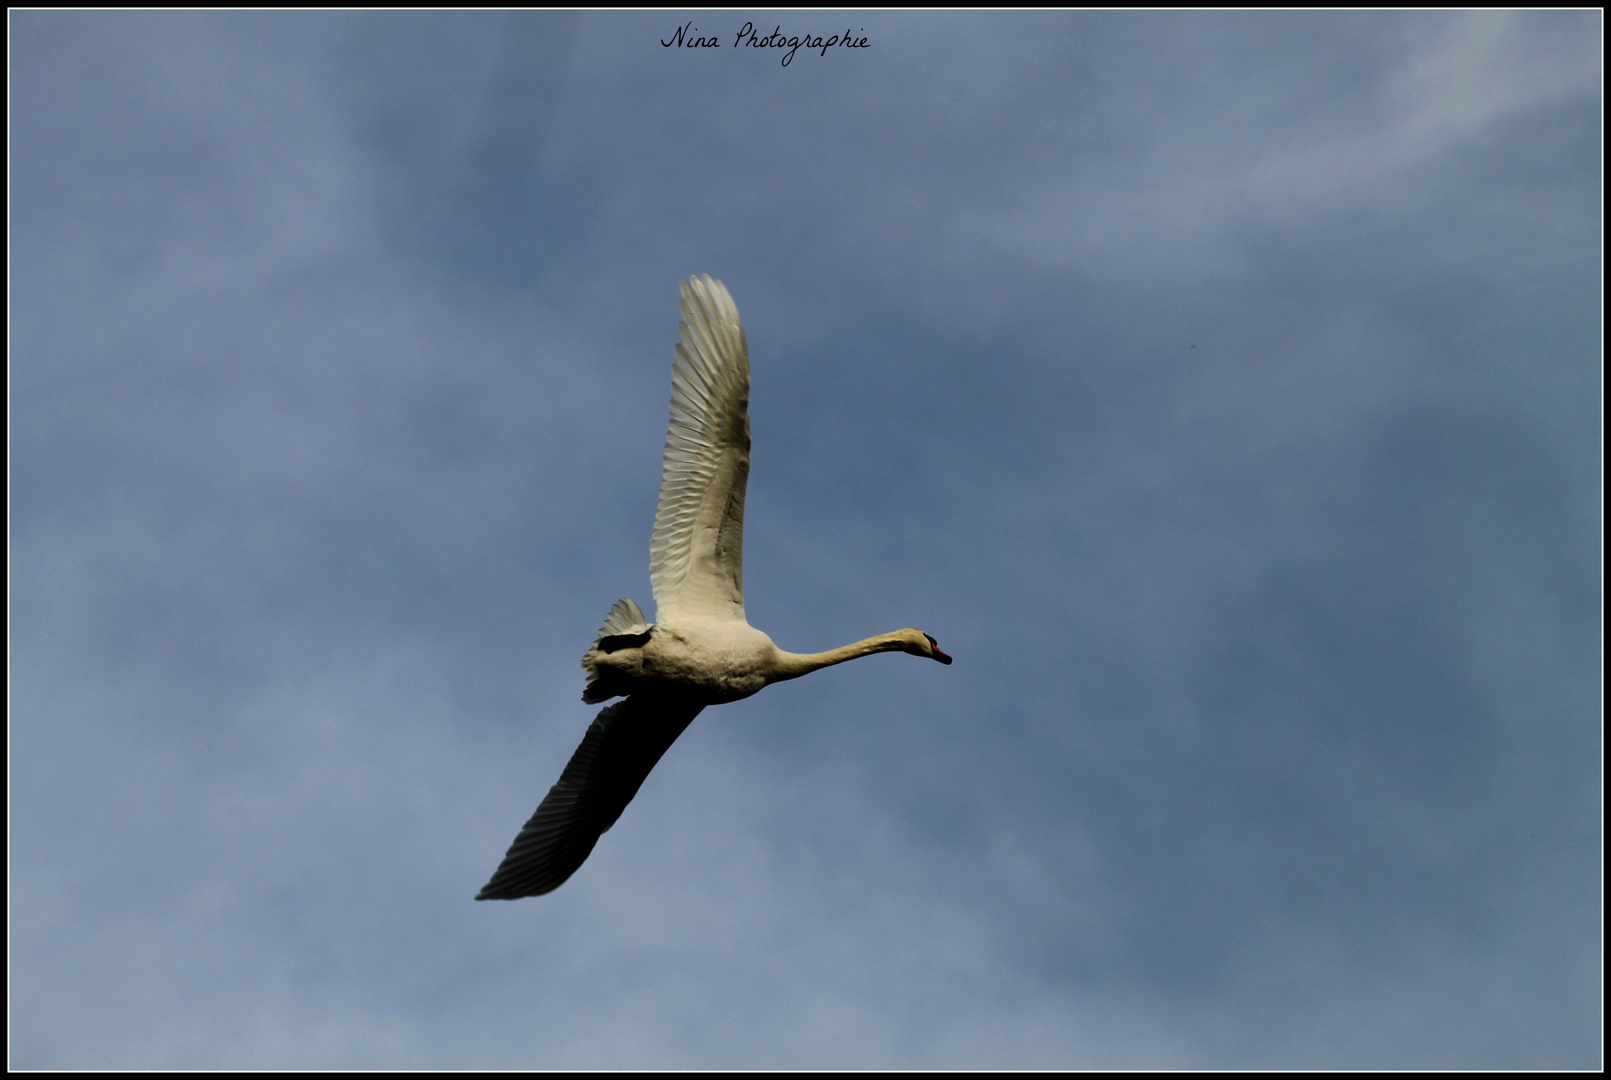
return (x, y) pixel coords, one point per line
(625, 617)
(696, 554)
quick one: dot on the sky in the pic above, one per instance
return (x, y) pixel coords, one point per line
(1221, 390)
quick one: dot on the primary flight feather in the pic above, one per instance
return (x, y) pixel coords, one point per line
(700, 650)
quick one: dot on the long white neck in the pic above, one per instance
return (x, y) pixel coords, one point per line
(790, 665)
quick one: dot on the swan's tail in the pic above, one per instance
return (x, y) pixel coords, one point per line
(624, 627)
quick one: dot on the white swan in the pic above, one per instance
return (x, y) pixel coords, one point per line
(700, 650)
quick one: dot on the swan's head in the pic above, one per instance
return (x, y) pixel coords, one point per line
(921, 644)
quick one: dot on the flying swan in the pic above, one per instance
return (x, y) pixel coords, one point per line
(700, 650)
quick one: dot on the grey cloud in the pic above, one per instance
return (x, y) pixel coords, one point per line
(1219, 389)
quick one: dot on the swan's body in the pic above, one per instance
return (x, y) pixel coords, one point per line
(700, 650)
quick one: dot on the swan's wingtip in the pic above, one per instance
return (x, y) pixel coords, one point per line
(702, 283)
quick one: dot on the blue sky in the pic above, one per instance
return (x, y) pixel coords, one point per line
(1221, 390)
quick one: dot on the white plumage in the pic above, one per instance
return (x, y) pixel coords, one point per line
(696, 555)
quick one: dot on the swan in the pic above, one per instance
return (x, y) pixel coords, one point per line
(700, 650)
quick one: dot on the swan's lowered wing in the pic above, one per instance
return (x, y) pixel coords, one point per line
(696, 555)
(623, 743)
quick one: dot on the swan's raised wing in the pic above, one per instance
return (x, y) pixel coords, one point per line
(623, 743)
(696, 555)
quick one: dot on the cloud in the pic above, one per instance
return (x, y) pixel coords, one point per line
(1217, 389)
(1204, 168)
